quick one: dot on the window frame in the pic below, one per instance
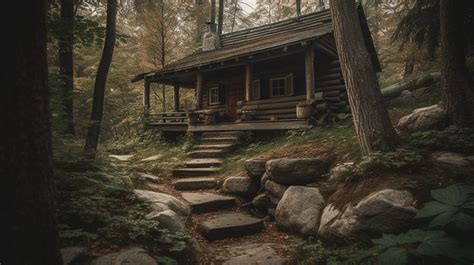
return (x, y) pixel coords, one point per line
(218, 95)
(288, 91)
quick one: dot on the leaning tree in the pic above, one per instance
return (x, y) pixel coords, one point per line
(93, 132)
(372, 123)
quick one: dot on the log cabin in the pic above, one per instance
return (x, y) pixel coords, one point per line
(278, 76)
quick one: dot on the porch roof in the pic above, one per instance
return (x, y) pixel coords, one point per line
(235, 45)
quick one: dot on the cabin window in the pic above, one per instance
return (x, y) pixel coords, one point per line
(214, 96)
(255, 89)
(282, 86)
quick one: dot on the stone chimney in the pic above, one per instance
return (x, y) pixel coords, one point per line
(210, 40)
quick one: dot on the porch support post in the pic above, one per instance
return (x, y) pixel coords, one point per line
(146, 97)
(248, 81)
(164, 97)
(199, 81)
(309, 72)
(176, 98)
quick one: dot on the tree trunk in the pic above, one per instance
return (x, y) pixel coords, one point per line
(26, 153)
(66, 72)
(100, 80)
(372, 123)
(455, 80)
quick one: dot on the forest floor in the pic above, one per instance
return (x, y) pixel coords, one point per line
(98, 210)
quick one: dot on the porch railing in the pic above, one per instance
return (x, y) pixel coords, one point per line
(168, 118)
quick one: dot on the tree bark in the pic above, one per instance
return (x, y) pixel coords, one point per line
(100, 81)
(26, 153)
(409, 63)
(66, 72)
(455, 80)
(372, 123)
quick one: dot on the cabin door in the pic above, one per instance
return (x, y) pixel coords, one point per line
(231, 106)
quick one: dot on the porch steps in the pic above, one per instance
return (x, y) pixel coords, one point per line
(206, 153)
(194, 172)
(203, 162)
(213, 146)
(219, 140)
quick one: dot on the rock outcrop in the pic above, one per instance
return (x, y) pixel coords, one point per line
(423, 119)
(298, 171)
(243, 186)
(299, 210)
(274, 191)
(384, 211)
(255, 167)
(129, 256)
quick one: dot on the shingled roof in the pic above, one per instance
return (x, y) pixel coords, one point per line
(260, 39)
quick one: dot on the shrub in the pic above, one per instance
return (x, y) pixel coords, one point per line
(452, 211)
(398, 159)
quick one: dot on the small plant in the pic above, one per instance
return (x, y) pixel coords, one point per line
(312, 251)
(397, 249)
(399, 159)
(451, 138)
(452, 205)
(452, 208)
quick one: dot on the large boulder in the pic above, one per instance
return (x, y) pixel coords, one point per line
(298, 171)
(168, 219)
(162, 202)
(129, 256)
(299, 210)
(243, 186)
(274, 191)
(384, 211)
(423, 119)
(452, 159)
(410, 84)
(255, 167)
(70, 254)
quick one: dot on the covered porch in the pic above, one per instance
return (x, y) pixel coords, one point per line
(240, 93)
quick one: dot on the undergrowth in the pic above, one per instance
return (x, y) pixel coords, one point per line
(98, 209)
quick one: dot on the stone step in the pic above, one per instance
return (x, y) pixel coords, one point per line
(212, 146)
(203, 162)
(221, 140)
(202, 202)
(194, 172)
(195, 183)
(207, 153)
(226, 225)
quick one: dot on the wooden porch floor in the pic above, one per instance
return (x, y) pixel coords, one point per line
(290, 124)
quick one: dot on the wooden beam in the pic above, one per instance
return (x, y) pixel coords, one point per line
(146, 96)
(199, 81)
(163, 91)
(248, 82)
(309, 72)
(176, 98)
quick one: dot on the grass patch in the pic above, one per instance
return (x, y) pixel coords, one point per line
(336, 136)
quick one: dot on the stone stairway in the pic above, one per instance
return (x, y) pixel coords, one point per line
(196, 175)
